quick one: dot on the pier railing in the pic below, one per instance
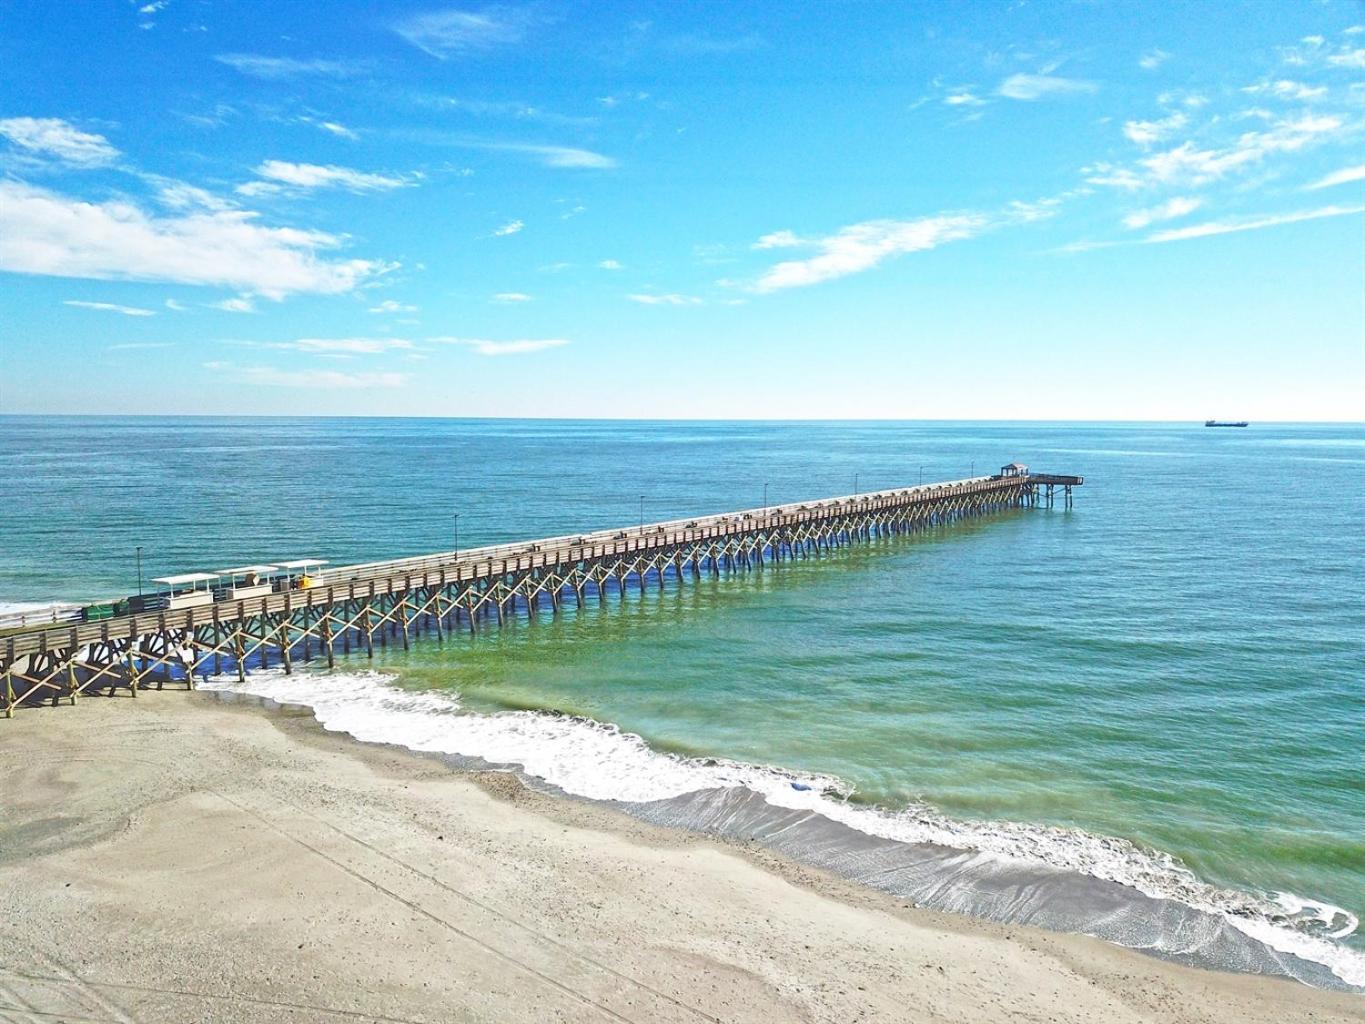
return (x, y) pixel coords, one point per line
(356, 605)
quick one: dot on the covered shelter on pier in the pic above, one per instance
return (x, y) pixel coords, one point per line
(187, 590)
(248, 581)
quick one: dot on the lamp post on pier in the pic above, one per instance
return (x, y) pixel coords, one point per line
(765, 499)
(457, 536)
(642, 514)
(139, 570)
(855, 485)
(921, 474)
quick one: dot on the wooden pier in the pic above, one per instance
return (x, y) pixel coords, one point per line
(359, 606)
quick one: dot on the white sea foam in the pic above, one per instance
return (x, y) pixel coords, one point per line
(599, 761)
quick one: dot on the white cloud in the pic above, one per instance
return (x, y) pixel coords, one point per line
(553, 156)
(1227, 227)
(611, 265)
(314, 379)
(172, 304)
(863, 246)
(449, 33)
(666, 300)
(510, 228)
(392, 306)
(1179, 206)
(1341, 177)
(1112, 176)
(964, 98)
(309, 176)
(1184, 165)
(777, 240)
(53, 137)
(109, 307)
(1286, 89)
(520, 346)
(179, 195)
(336, 128)
(240, 304)
(1348, 59)
(1144, 133)
(1153, 59)
(511, 297)
(1038, 87)
(44, 232)
(258, 66)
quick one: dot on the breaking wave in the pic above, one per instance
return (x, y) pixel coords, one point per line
(599, 761)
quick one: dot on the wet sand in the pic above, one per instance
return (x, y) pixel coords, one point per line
(176, 858)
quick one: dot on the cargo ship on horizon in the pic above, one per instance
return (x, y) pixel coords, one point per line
(1221, 423)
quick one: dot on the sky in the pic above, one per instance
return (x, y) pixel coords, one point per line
(1014, 210)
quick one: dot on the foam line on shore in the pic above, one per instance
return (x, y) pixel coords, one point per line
(599, 761)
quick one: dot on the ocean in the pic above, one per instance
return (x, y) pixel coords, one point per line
(1141, 718)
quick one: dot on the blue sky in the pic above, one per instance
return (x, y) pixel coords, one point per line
(1066, 210)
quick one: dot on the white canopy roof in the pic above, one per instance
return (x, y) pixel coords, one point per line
(188, 577)
(300, 563)
(242, 570)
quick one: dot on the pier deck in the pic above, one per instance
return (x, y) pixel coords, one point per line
(358, 605)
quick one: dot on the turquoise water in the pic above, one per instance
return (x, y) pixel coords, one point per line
(1176, 662)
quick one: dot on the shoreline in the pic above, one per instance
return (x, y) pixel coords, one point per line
(264, 867)
(1066, 881)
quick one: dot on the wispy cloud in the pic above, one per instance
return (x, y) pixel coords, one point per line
(508, 298)
(277, 174)
(131, 345)
(1041, 87)
(259, 66)
(44, 232)
(180, 195)
(392, 306)
(510, 228)
(451, 33)
(1144, 133)
(346, 346)
(337, 128)
(1153, 59)
(57, 139)
(1348, 59)
(506, 108)
(777, 240)
(516, 347)
(1341, 177)
(863, 246)
(1179, 206)
(611, 265)
(672, 299)
(549, 155)
(963, 98)
(238, 304)
(1228, 227)
(553, 156)
(109, 307)
(1287, 89)
(1189, 166)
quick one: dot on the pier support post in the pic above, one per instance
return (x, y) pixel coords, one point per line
(239, 653)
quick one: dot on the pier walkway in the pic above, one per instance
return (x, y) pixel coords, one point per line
(354, 607)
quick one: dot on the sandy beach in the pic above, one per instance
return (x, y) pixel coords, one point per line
(177, 858)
